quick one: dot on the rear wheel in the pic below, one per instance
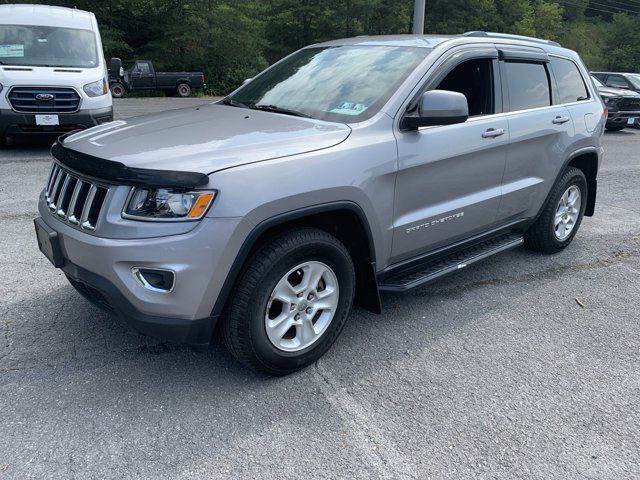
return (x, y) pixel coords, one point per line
(117, 90)
(561, 217)
(291, 302)
(615, 128)
(183, 90)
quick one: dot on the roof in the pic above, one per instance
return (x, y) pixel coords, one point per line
(424, 41)
(45, 15)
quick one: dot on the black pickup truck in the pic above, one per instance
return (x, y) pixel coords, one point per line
(142, 76)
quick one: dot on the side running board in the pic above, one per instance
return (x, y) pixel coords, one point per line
(432, 268)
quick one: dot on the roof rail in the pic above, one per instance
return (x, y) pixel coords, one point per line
(510, 36)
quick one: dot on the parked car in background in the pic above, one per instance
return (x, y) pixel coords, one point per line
(623, 106)
(53, 77)
(350, 168)
(624, 81)
(143, 76)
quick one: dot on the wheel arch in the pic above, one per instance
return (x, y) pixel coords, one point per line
(345, 220)
(587, 160)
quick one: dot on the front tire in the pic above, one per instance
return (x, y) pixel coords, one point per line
(560, 219)
(291, 302)
(117, 90)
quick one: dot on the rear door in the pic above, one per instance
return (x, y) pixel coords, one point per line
(448, 182)
(540, 132)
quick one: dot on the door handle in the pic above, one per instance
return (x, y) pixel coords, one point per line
(560, 120)
(493, 132)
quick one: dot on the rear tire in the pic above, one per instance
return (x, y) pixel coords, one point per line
(267, 299)
(117, 90)
(183, 90)
(615, 128)
(560, 218)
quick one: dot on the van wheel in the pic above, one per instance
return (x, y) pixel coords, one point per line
(291, 302)
(183, 90)
(561, 217)
(117, 90)
(615, 128)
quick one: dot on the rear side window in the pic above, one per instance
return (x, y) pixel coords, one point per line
(571, 87)
(528, 85)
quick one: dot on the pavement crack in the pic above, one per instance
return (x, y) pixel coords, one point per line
(376, 450)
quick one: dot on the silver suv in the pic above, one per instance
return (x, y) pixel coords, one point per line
(349, 168)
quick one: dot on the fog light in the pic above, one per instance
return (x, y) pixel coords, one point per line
(155, 279)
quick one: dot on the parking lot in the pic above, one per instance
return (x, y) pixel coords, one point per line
(522, 366)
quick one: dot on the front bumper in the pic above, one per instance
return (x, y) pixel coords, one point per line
(14, 124)
(621, 118)
(101, 269)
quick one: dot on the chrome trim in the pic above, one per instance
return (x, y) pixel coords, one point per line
(84, 217)
(137, 274)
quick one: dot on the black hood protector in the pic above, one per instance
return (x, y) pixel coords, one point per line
(118, 173)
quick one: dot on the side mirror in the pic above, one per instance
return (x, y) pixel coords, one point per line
(246, 80)
(439, 107)
(115, 67)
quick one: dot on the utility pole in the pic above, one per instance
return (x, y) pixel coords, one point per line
(418, 17)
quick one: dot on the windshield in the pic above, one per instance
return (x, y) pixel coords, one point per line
(634, 78)
(47, 46)
(597, 82)
(341, 84)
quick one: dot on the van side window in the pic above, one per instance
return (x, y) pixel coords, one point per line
(474, 79)
(528, 85)
(571, 87)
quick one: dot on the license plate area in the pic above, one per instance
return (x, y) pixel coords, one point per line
(47, 120)
(631, 121)
(49, 243)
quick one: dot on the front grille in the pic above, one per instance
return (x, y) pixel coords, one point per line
(73, 199)
(44, 99)
(629, 104)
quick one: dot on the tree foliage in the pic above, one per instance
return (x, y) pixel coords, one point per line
(231, 40)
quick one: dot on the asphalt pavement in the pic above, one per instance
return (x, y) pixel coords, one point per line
(521, 366)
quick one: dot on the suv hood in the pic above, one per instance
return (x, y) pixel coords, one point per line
(206, 139)
(618, 92)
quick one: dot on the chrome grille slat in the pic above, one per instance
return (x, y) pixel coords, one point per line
(73, 199)
(63, 192)
(84, 218)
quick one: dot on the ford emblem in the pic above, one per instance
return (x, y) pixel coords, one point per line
(45, 97)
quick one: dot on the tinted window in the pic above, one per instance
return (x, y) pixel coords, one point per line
(571, 86)
(617, 81)
(474, 79)
(528, 85)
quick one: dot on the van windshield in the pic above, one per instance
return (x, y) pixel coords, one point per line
(39, 46)
(340, 84)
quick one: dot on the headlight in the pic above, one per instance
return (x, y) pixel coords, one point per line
(165, 204)
(95, 89)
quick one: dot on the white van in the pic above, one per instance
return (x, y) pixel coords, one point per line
(53, 76)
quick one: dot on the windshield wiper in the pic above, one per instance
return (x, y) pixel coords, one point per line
(234, 103)
(277, 109)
